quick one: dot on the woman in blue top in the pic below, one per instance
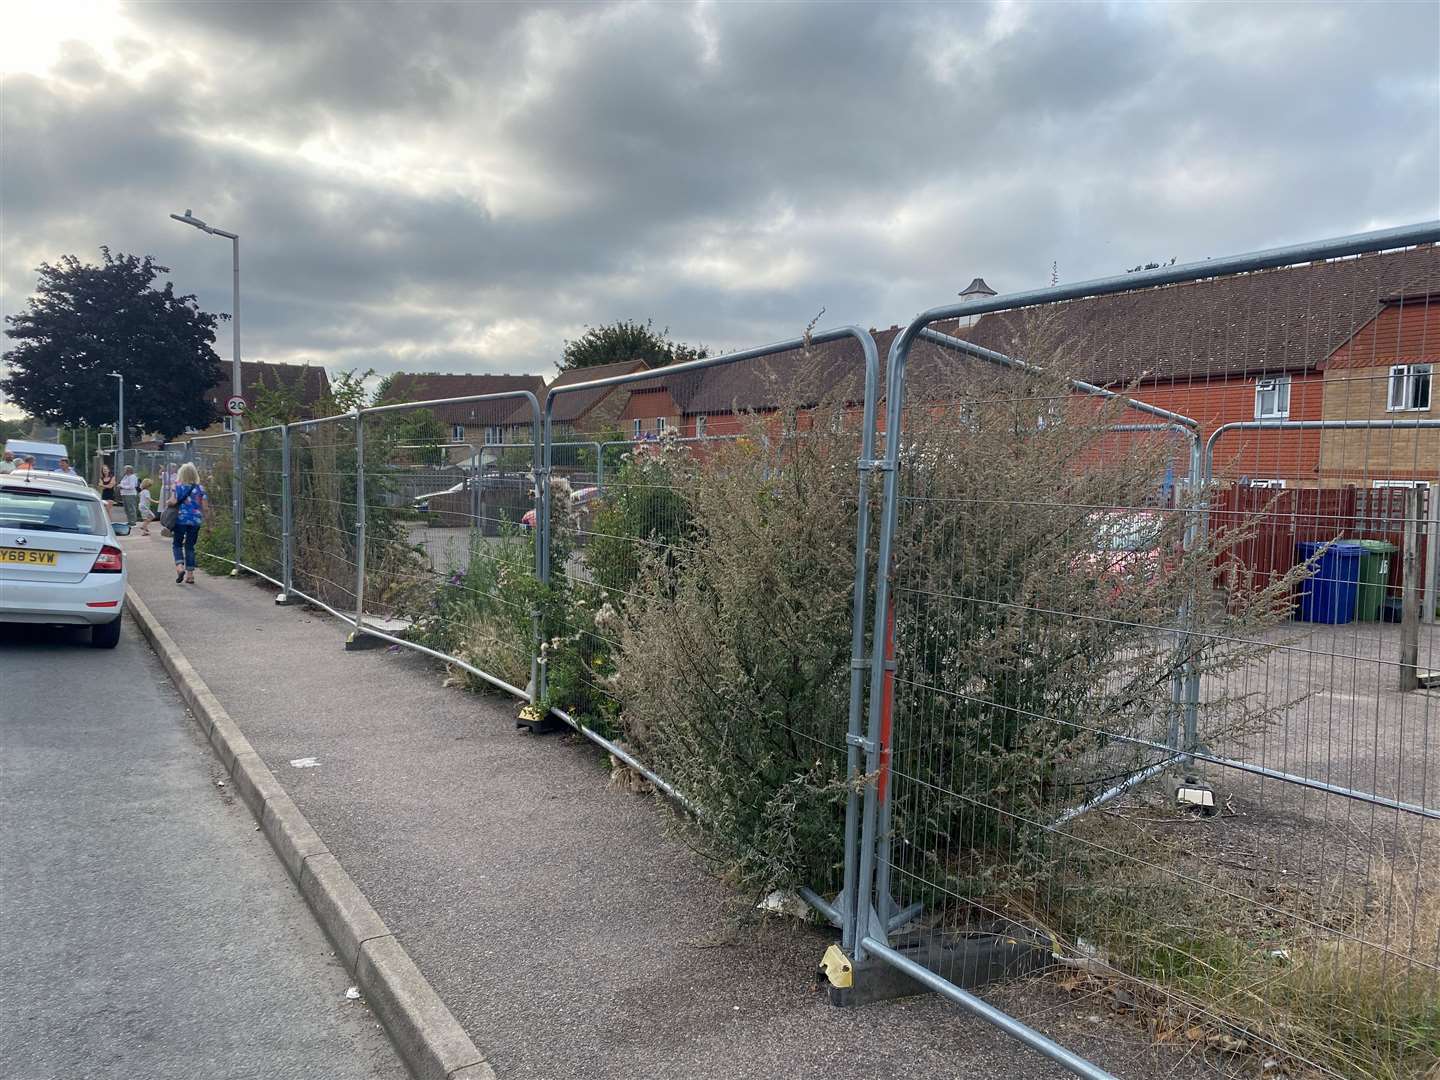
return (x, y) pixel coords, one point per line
(189, 503)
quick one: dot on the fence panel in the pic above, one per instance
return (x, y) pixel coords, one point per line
(324, 563)
(1133, 730)
(450, 562)
(709, 556)
(263, 533)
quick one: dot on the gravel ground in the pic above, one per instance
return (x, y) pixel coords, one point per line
(564, 921)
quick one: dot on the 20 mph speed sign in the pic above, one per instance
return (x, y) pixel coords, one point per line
(235, 405)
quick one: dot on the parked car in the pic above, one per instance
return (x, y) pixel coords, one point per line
(59, 560)
(582, 500)
(1127, 546)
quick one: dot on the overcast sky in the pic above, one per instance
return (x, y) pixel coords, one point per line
(460, 187)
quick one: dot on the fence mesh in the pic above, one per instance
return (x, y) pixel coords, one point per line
(262, 545)
(1146, 647)
(1127, 692)
(323, 528)
(450, 555)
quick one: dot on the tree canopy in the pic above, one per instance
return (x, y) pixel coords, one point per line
(86, 321)
(627, 340)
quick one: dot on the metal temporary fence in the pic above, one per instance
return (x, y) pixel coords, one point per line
(1104, 709)
(646, 522)
(1033, 675)
(448, 571)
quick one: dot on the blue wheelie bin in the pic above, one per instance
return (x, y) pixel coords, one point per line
(1329, 594)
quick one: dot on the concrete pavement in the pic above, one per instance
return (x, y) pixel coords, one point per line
(564, 922)
(149, 930)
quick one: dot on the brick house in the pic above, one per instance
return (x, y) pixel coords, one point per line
(1236, 348)
(1384, 372)
(309, 385)
(479, 423)
(592, 412)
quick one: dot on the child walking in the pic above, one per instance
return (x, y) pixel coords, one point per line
(147, 507)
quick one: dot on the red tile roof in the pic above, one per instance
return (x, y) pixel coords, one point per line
(1287, 319)
(569, 408)
(432, 386)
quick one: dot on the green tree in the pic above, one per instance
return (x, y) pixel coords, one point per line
(86, 321)
(627, 340)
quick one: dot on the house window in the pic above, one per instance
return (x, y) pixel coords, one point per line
(1423, 485)
(457, 432)
(1267, 483)
(228, 424)
(1272, 398)
(636, 430)
(700, 426)
(1409, 388)
(660, 425)
(493, 436)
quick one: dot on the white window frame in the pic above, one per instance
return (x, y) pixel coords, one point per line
(700, 426)
(1273, 482)
(494, 435)
(1423, 485)
(227, 425)
(457, 432)
(1403, 387)
(637, 428)
(1279, 389)
(660, 425)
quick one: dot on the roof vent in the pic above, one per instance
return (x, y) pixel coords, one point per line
(976, 289)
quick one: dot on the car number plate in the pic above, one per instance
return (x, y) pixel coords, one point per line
(30, 558)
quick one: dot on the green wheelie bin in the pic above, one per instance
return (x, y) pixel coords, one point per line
(1374, 574)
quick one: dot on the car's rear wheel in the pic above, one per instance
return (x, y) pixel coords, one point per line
(105, 635)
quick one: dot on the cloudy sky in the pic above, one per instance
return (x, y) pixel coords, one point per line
(461, 187)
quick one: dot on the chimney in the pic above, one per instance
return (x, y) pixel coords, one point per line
(976, 289)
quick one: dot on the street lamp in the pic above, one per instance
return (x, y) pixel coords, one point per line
(120, 423)
(190, 219)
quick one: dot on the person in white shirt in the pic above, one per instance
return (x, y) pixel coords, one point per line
(64, 467)
(7, 462)
(130, 494)
(147, 507)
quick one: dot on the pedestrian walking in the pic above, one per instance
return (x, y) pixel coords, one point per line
(130, 494)
(190, 507)
(107, 487)
(7, 462)
(147, 507)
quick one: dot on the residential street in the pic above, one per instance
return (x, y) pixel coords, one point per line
(149, 929)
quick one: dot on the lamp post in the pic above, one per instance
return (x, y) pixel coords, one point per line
(236, 385)
(120, 423)
(190, 219)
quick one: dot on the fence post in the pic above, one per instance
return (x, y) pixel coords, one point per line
(542, 554)
(237, 478)
(1410, 596)
(286, 517)
(1196, 530)
(1432, 563)
(359, 517)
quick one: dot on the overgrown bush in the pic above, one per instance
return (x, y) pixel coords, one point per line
(480, 613)
(1036, 663)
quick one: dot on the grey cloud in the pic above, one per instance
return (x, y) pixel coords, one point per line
(567, 164)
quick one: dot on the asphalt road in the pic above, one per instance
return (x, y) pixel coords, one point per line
(148, 930)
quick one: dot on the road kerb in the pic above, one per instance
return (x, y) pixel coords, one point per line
(427, 1036)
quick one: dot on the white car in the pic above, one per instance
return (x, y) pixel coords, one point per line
(59, 560)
